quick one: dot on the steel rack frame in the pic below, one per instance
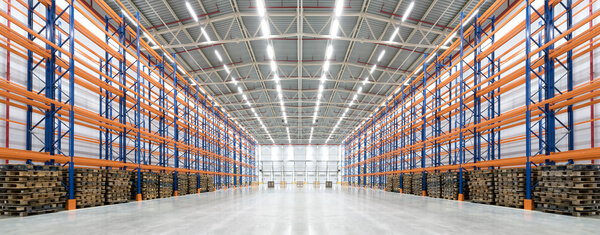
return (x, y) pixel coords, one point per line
(448, 114)
(148, 118)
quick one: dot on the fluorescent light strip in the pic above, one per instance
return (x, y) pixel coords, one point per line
(394, 34)
(260, 7)
(205, 34)
(264, 27)
(339, 7)
(381, 55)
(191, 11)
(333, 30)
(329, 52)
(226, 68)
(218, 56)
(270, 52)
(408, 10)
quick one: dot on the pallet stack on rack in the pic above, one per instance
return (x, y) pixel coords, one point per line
(396, 183)
(88, 186)
(165, 185)
(116, 186)
(481, 186)
(203, 183)
(451, 185)
(434, 185)
(389, 184)
(510, 186)
(182, 184)
(417, 184)
(210, 185)
(407, 184)
(570, 189)
(30, 190)
(149, 185)
(192, 183)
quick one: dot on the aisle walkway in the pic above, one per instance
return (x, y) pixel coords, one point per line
(299, 211)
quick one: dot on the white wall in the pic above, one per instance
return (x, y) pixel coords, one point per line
(307, 163)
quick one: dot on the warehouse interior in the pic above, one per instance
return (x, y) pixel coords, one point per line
(299, 117)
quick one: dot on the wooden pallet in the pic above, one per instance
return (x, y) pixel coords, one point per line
(434, 185)
(165, 185)
(192, 186)
(451, 184)
(482, 188)
(149, 185)
(569, 190)
(182, 184)
(407, 185)
(116, 186)
(417, 184)
(30, 190)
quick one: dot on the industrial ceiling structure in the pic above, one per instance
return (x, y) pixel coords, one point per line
(300, 72)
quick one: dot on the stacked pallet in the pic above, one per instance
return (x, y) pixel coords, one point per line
(434, 185)
(88, 186)
(390, 184)
(510, 186)
(165, 185)
(451, 184)
(417, 184)
(30, 190)
(149, 185)
(182, 184)
(407, 184)
(481, 186)
(396, 183)
(570, 190)
(203, 183)
(210, 186)
(192, 183)
(116, 186)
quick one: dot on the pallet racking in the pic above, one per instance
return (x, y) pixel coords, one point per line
(151, 114)
(451, 113)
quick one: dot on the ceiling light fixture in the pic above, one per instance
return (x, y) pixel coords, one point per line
(205, 34)
(329, 52)
(270, 52)
(265, 28)
(408, 10)
(218, 55)
(226, 68)
(191, 11)
(381, 55)
(394, 34)
(260, 6)
(334, 28)
(339, 7)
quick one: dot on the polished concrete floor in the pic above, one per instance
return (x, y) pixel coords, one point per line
(299, 211)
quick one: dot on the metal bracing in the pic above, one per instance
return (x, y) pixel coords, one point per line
(306, 15)
(149, 116)
(448, 116)
(308, 28)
